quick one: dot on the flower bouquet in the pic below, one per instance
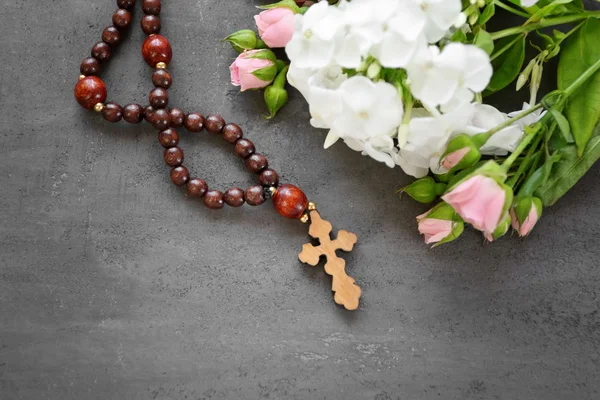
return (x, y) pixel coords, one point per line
(405, 81)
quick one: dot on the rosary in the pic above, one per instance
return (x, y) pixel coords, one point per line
(289, 200)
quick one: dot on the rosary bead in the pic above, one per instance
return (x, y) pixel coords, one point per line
(213, 199)
(177, 117)
(156, 48)
(244, 148)
(234, 197)
(133, 113)
(180, 175)
(173, 156)
(162, 78)
(151, 7)
(151, 24)
(127, 4)
(256, 163)
(159, 98)
(214, 124)
(111, 36)
(194, 122)
(161, 119)
(90, 91)
(101, 51)
(148, 113)
(197, 188)
(232, 133)
(168, 138)
(112, 112)
(290, 201)
(89, 66)
(255, 195)
(269, 178)
(121, 19)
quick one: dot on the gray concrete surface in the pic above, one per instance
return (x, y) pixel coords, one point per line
(114, 286)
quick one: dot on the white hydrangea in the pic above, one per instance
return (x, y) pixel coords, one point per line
(331, 49)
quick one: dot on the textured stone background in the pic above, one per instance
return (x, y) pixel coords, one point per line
(114, 285)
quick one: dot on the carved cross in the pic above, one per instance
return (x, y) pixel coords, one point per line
(347, 293)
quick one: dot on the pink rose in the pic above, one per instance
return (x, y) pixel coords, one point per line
(251, 72)
(275, 26)
(480, 201)
(452, 159)
(525, 214)
(440, 225)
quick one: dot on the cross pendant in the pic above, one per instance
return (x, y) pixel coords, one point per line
(346, 292)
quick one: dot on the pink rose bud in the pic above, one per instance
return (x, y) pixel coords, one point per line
(254, 69)
(525, 214)
(460, 153)
(440, 225)
(276, 26)
(480, 201)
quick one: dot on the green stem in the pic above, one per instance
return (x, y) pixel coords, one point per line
(544, 23)
(514, 119)
(281, 78)
(505, 48)
(525, 164)
(522, 146)
(582, 78)
(510, 9)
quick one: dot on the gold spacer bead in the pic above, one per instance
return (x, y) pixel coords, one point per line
(304, 218)
(81, 77)
(272, 190)
(312, 206)
(161, 65)
(99, 107)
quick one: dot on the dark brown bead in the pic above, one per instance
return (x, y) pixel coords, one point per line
(90, 91)
(127, 4)
(151, 7)
(156, 48)
(173, 157)
(214, 124)
(194, 122)
(161, 78)
(255, 195)
(112, 112)
(101, 51)
(161, 119)
(177, 117)
(290, 201)
(232, 133)
(121, 19)
(197, 188)
(234, 197)
(133, 113)
(244, 148)
(111, 36)
(256, 163)
(168, 138)
(180, 175)
(151, 24)
(89, 66)
(269, 178)
(148, 113)
(159, 98)
(213, 199)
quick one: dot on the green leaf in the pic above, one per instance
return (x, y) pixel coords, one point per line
(563, 125)
(538, 178)
(551, 9)
(579, 53)
(484, 41)
(569, 170)
(487, 13)
(507, 65)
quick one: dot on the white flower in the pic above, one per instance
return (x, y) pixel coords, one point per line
(528, 3)
(313, 44)
(436, 77)
(369, 109)
(439, 15)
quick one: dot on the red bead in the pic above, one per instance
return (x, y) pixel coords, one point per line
(290, 201)
(213, 199)
(255, 195)
(90, 66)
(173, 157)
(90, 91)
(168, 138)
(197, 188)
(180, 176)
(234, 197)
(269, 178)
(155, 49)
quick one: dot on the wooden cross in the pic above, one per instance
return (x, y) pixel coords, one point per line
(347, 293)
